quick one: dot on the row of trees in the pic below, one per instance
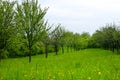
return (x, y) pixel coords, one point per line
(107, 37)
(7, 25)
(24, 32)
(21, 26)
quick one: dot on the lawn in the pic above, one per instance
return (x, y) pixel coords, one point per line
(88, 64)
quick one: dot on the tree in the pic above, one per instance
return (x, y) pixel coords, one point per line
(108, 37)
(77, 43)
(62, 38)
(46, 42)
(117, 39)
(69, 40)
(57, 33)
(85, 37)
(46, 38)
(30, 19)
(7, 24)
(17, 47)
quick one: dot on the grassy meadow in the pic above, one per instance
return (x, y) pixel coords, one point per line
(88, 64)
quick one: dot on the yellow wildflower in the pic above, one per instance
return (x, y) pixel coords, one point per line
(1, 78)
(37, 72)
(89, 78)
(63, 75)
(25, 75)
(53, 77)
(99, 73)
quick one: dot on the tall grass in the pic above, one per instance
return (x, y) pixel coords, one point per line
(89, 64)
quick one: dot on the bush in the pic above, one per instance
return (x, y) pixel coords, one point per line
(4, 54)
(50, 48)
(38, 48)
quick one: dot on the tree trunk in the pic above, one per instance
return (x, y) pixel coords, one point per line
(68, 49)
(0, 55)
(114, 46)
(74, 47)
(30, 52)
(71, 48)
(46, 50)
(62, 49)
(56, 52)
(117, 45)
(56, 49)
(113, 50)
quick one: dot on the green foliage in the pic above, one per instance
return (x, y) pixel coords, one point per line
(30, 19)
(24, 32)
(85, 37)
(50, 48)
(7, 25)
(56, 37)
(77, 41)
(88, 64)
(38, 48)
(17, 46)
(4, 54)
(69, 40)
(107, 37)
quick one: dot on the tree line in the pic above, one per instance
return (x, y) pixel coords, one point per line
(25, 32)
(107, 37)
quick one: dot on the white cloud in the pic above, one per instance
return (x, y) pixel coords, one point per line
(81, 15)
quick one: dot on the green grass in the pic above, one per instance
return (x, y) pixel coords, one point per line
(89, 64)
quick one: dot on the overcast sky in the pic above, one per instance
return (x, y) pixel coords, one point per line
(82, 15)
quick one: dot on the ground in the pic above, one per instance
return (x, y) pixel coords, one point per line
(88, 64)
